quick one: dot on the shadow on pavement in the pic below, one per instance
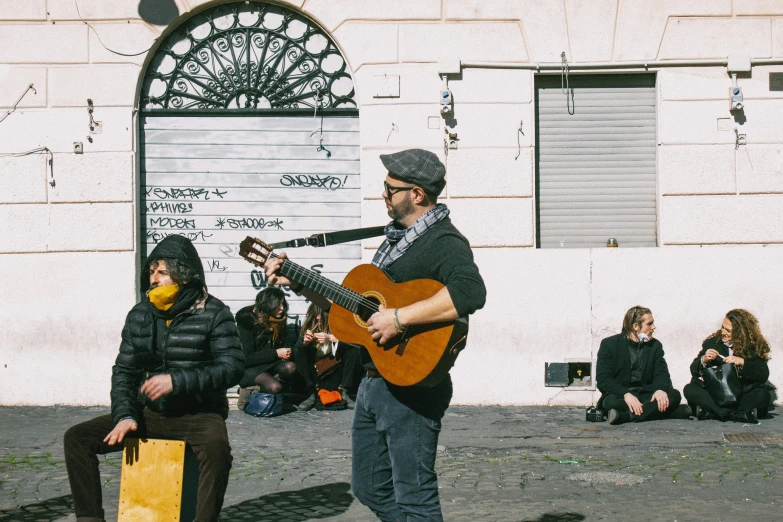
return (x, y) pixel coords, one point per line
(51, 509)
(317, 502)
(558, 517)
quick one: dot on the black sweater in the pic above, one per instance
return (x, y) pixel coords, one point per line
(443, 254)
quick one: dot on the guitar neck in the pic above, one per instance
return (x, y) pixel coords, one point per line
(322, 286)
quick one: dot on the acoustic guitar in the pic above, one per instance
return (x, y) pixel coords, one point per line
(420, 356)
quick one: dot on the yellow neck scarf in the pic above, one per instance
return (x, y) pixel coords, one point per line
(164, 297)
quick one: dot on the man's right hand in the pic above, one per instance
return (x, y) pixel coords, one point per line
(633, 403)
(272, 266)
(122, 428)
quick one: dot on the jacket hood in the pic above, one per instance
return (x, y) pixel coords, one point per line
(173, 247)
(246, 318)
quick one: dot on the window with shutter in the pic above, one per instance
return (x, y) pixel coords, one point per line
(596, 161)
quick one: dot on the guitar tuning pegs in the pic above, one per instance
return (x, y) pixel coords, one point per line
(254, 250)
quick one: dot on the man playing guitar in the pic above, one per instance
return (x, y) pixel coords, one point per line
(395, 428)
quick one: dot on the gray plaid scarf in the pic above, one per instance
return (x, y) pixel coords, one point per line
(398, 241)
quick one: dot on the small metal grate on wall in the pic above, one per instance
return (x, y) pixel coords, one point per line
(596, 161)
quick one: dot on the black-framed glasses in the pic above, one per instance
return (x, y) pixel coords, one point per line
(391, 191)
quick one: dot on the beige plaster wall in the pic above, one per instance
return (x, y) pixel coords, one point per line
(68, 251)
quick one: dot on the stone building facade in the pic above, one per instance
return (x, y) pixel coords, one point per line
(71, 223)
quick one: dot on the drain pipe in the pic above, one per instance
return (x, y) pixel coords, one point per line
(655, 64)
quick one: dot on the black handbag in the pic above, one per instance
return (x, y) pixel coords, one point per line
(723, 385)
(264, 404)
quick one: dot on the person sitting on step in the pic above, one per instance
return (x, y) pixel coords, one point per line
(739, 342)
(317, 346)
(632, 374)
(266, 342)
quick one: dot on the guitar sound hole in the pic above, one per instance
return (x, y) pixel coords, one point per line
(364, 312)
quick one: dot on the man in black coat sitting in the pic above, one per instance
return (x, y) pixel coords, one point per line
(632, 374)
(180, 351)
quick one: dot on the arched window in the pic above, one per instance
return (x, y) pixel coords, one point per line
(249, 127)
(247, 56)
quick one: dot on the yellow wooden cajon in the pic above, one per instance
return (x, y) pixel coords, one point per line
(159, 481)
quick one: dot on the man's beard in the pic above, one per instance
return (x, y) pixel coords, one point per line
(402, 210)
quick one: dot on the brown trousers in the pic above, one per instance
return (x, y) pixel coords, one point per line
(205, 432)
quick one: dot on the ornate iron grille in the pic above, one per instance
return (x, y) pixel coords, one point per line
(247, 55)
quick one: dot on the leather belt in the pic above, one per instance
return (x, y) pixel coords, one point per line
(373, 373)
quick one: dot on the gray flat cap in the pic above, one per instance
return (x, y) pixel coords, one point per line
(417, 166)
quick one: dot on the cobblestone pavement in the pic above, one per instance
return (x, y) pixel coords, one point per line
(494, 463)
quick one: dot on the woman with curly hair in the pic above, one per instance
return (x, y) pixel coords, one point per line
(738, 342)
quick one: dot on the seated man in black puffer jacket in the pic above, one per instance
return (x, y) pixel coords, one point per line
(180, 351)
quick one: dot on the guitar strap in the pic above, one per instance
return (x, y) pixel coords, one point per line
(331, 238)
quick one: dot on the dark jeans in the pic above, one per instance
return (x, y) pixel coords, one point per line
(649, 409)
(205, 432)
(758, 398)
(393, 467)
(350, 367)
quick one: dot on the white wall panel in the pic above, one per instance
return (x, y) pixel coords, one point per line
(218, 179)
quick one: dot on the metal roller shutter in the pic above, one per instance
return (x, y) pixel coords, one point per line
(596, 168)
(217, 179)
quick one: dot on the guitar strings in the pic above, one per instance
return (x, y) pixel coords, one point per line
(360, 300)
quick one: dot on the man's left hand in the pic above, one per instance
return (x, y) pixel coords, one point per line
(663, 400)
(381, 325)
(157, 386)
